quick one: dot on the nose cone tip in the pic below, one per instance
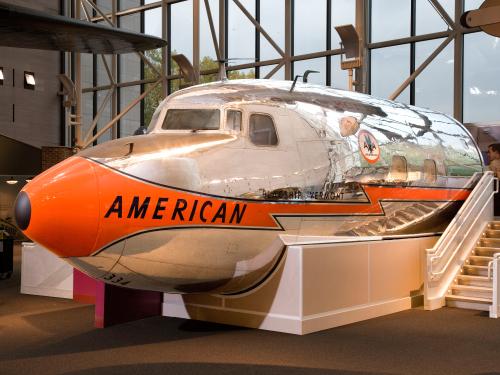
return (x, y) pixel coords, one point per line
(22, 210)
(59, 209)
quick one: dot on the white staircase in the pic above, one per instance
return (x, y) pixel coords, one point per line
(472, 288)
(460, 265)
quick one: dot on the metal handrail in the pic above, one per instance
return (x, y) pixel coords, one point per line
(490, 264)
(450, 232)
(494, 300)
(452, 255)
(445, 236)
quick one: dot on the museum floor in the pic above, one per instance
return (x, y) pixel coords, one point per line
(40, 335)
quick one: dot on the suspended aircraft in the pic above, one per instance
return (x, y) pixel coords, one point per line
(205, 201)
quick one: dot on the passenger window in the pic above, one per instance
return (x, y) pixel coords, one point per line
(399, 170)
(233, 120)
(430, 171)
(262, 131)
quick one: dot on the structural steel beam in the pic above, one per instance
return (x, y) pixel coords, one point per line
(196, 39)
(361, 73)
(112, 94)
(222, 29)
(212, 31)
(443, 13)
(113, 76)
(78, 87)
(134, 10)
(419, 70)
(274, 70)
(288, 38)
(98, 115)
(120, 115)
(259, 27)
(164, 50)
(458, 64)
(410, 39)
(125, 84)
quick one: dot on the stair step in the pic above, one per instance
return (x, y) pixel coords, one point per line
(479, 260)
(474, 280)
(486, 250)
(470, 269)
(494, 225)
(471, 291)
(468, 299)
(489, 242)
(492, 233)
(482, 304)
(472, 287)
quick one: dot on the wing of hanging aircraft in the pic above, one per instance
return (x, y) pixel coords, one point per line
(27, 28)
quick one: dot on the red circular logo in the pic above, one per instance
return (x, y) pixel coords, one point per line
(368, 146)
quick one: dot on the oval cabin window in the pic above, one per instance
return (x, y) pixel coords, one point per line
(430, 171)
(262, 130)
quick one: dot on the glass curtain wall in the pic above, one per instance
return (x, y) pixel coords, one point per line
(400, 34)
(462, 80)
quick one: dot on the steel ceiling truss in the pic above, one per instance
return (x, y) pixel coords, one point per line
(85, 140)
(286, 57)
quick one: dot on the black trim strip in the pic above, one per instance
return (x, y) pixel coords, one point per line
(263, 279)
(274, 201)
(279, 226)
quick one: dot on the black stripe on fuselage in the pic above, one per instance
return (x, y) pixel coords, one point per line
(154, 183)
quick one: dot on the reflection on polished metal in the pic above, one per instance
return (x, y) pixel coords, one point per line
(200, 202)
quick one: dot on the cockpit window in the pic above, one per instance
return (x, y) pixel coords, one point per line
(154, 119)
(262, 131)
(233, 120)
(192, 119)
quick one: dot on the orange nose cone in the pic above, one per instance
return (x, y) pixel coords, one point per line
(59, 209)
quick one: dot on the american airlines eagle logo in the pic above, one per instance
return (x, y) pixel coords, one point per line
(368, 146)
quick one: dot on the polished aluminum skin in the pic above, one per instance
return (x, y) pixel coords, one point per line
(329, 147)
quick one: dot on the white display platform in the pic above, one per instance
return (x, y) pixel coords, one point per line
(319, 286)
(44, 274)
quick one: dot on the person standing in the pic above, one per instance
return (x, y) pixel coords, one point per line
(494, 156)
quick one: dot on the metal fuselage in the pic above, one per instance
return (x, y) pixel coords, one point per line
(204, 210)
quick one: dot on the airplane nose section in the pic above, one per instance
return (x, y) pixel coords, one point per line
(59, 209)
(22, 210)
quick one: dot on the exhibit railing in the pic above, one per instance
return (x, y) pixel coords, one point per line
(449, 253)
(494, 265)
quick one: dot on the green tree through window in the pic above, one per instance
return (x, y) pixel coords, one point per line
(206, 64)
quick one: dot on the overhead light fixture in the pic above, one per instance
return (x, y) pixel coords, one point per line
(28, 180)
(1, 76)
(11, 181)
(29, 80)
